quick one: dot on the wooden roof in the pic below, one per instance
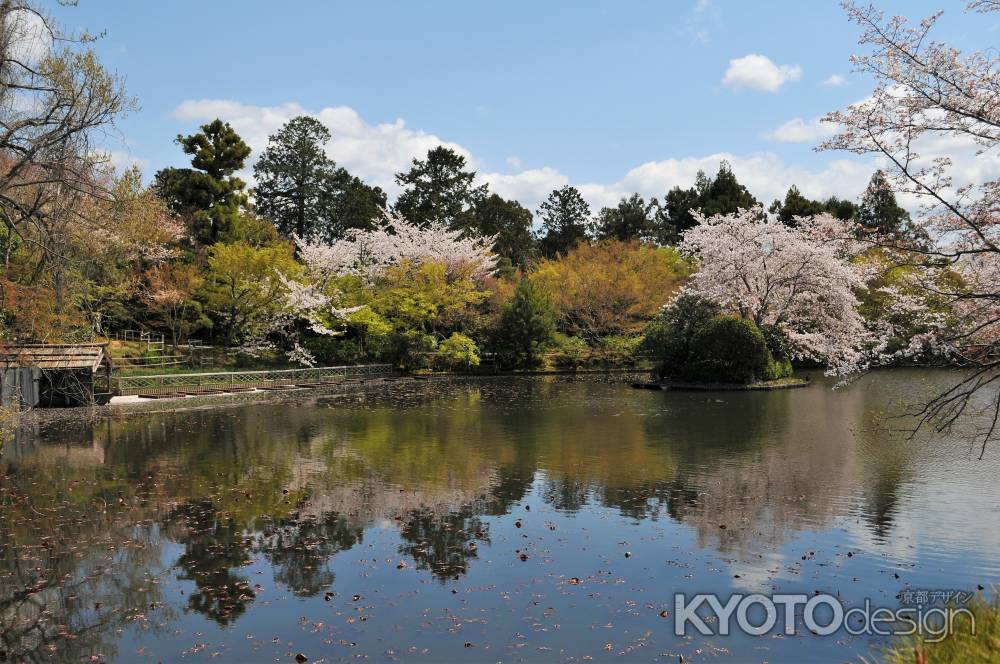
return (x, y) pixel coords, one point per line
(55, 356)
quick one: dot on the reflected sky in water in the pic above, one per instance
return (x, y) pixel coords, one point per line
(448, 519)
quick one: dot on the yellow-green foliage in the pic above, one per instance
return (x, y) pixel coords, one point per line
(876, 303)
(961, 647)
(422, 297)
(610, 288)
(458, 352)
(244, 286)
(8, 424)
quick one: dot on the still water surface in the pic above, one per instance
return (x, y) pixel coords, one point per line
(510, 519)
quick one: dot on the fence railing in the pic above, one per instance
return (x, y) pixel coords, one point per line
(154, 341)
(167, 383)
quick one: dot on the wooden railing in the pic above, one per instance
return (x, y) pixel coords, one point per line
(168, 383)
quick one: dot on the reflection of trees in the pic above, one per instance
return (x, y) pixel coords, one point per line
(442, 543)
(760, 464)
(300, 484)
(213, 546)
(300, 548)
(71, 563)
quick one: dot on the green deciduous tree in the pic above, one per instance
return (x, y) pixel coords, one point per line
(458, 352)
(302, 190)
(564, 216)
(208, 197)
(243, 290)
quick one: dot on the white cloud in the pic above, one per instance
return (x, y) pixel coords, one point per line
(835, 81)
(514, 161)
(376, 152)
(758, 72)
(798, 130)
(764, 174)
(529, 187)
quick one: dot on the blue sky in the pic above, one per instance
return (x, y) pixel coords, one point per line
(609, 96)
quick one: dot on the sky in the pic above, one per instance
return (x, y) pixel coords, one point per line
(611, 97)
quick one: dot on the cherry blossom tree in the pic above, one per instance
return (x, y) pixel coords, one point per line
(799, 278)
(315, 299)
(368, 253)
(931, 103)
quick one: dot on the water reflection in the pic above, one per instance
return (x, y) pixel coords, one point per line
(98, 519)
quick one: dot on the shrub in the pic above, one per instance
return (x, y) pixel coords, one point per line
(458, 352)
(328, 351)
(668, 336)
(728, 349)
(610, 287)
(526, 327)
(961, 645)
(779, 365)
(414, 349)
(569, 352)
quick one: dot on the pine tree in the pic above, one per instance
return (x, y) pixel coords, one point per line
(564, 216)
(629, 220)
(724, 194)
(438, 189)
(721, 195)
(526, 326)
(797, 205)
(879, 213)
(208, 196)
(674, 216)
(301, 190)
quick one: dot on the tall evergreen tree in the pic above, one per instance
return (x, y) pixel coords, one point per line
(724, 194)
(510, 222)
(797, 205)
(358, 205)
(208, 196)
(302, 191)
(720, 195)
(629, 220)
(564, 216)
(526, 326)
(438, 189)
(674, 216)
(841, 208)
(879, 213)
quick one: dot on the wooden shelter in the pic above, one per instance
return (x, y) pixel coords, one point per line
(56, 374)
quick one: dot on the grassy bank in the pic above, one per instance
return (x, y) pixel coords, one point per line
(962, 647)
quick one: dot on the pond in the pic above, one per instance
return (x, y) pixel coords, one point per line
(499, 519)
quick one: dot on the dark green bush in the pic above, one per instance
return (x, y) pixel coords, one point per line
(331, 351)
(668, 336)
(526, 327)
(728, 349)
